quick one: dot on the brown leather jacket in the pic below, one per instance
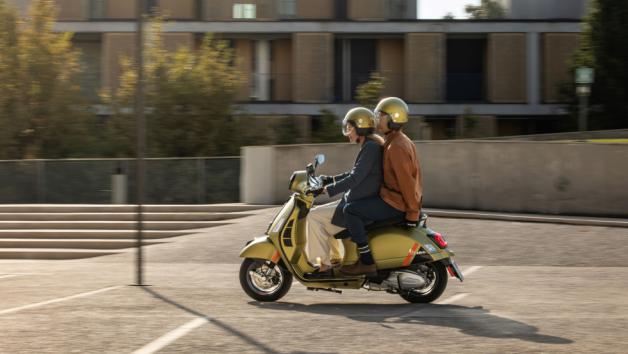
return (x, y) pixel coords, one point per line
(402, 188)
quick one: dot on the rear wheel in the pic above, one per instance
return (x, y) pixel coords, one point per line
(436, 275)
(264, 280)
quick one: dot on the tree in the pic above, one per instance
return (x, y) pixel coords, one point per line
(449, 16)
(189, 94)
(42, 114)
(488, 9)
(369, 93)
(603, 47)
(327, 128)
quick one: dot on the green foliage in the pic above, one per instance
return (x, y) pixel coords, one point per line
(369, 93)
(603, 47)
(488, 9)
(327, 128)
(41, 112)
(189, 94)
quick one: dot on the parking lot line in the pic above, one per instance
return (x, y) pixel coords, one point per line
(10, 276)
(171, 336)
(53, 301)
(452, 299)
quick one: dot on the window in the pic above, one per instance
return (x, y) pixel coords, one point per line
(466, 68)
(97, 9)
(288, 8)
(244, 11)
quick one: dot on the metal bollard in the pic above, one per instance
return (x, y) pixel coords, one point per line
(119, 186)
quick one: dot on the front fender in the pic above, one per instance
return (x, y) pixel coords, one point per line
(260, 248)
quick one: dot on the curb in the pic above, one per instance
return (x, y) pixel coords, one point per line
(568, 220)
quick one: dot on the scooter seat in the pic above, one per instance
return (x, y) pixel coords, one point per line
(372, 226)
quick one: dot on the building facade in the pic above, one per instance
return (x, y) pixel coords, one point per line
(301, 56)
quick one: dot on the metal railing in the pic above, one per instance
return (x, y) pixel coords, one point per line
(168, 180)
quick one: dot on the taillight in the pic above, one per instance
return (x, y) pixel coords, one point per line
(440, 240)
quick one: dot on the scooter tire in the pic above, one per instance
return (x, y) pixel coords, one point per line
(440, 271)
(257, 294)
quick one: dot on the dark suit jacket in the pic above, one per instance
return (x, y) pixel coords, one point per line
(363, 181)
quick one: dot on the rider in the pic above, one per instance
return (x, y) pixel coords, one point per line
(401, 193)
(363, 181)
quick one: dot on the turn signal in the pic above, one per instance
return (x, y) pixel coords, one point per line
(440, 240)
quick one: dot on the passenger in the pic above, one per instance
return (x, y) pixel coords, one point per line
(363, 181)
(401, 192)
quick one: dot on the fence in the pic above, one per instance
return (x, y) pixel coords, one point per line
(168, 180)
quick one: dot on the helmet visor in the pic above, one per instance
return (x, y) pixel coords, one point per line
(378, 116)
(347, 128)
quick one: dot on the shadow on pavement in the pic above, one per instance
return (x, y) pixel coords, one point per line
(250, 340)
(474, 321)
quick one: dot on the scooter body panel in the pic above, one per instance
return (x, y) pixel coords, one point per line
(259, 248)
(396, 247)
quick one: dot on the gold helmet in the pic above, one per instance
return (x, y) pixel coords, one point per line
(396, 109)
(360, 118)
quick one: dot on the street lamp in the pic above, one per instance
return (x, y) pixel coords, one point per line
(584, 79)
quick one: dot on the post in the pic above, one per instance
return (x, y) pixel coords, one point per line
(141, 139)
(582, 112)
(584, 79)
(119, 184)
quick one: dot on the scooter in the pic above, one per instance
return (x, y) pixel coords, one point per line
(413, 263)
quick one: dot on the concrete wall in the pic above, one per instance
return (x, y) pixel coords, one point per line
(72, 10)
(390, 61)
(281, 68)
(243, 50)
(366, 10)
(528, 177)
(313, 60)
(120, 9)
(507, 68)
(314, 10)
(178, 9)
(558, 49)
(424, 67)
(545, 9)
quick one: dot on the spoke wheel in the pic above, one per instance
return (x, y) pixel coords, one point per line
(436, 275)
(264, 280)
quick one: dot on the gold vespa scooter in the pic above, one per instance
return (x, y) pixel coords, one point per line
(413, 263)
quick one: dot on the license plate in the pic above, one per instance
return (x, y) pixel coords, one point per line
(456, 269)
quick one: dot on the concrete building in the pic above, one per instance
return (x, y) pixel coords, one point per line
(545, 9)
(302, 56)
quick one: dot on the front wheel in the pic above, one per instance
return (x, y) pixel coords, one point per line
(264, 280)
(436, 275)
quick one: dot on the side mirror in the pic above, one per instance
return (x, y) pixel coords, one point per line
(319, 160)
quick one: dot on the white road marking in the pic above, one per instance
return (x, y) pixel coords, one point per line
(26, 307)
(452, 299)
(10, 276)
(470, 270)
(171, 336)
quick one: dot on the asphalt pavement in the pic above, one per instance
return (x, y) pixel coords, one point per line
(530, 288)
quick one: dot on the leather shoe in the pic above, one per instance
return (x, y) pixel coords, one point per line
(358, 269)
